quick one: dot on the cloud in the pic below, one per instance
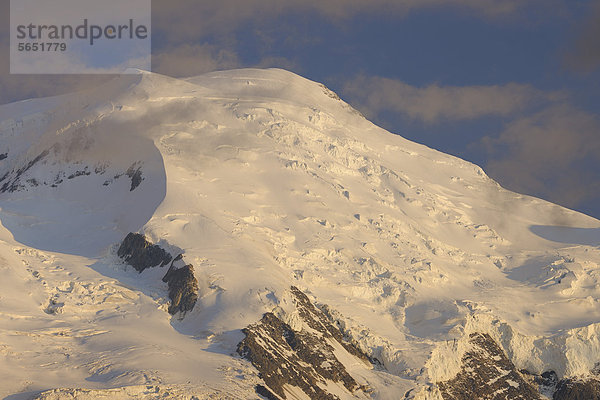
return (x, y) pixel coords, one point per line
(546, 148)
(188, 20)
(191, 37)
(278, 62)
(434, 103)
(584, 56)
(189, 60)
(484, 8)
(552, 154)
(20, 87)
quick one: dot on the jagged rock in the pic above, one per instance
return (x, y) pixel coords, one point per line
(487, 373)
(15, 184)
(548, 379)
(183, 287)
(305, 359)
(567, 388)
(546, 382)
(138, 252)
(577, 389)
(83, 172)
(3, 156)
(266, 393)
(135, 174)
(317, 320)
(141, 254)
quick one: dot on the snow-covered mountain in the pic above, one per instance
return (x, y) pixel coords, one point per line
(329, 257)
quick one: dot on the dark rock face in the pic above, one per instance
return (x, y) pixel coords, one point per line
(84, 172)
(574, 388)
(14, 183)
(135, 174)
(183, 287)
(138, 252)
(577, 389)
(303, 359)
(487, 374)
(141, 254)
(317, 320)
(546, 382)
(15, 180)
(266, 393)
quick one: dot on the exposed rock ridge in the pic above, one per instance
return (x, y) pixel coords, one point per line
(138, 252)
(141, 254)
(487, 373)
(305, 358)
(20, 179)
(14, 184)
(577, 389)
(573, 388)
(135, 174)
(183, 287)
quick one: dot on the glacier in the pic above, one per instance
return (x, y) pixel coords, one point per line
(265, 181)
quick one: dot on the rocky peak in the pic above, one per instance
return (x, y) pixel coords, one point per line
(138, 252)
(306, 358)
(487, 373)
(183, 286)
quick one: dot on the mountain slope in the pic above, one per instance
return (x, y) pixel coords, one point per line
(265, 180)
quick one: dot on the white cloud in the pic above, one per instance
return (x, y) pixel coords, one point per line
(434, 103)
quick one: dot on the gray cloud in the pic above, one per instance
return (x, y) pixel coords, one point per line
(186, 20)
(547, 148)
(189, 60)
(19, 87)
(584, 56)
(552, 154)
(434, 103)
(278, 62)
(182, 28)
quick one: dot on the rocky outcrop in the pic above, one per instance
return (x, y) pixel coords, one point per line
(135, 174)
(19, 179)
(138, 252)
(303, 358)
(13, 183)
(573, 388)
(577, 389)
(487, 373)
(183, 287)
(546, 382)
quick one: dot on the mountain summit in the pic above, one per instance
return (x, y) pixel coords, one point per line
(326, 257)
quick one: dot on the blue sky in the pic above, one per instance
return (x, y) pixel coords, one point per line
(512, 85)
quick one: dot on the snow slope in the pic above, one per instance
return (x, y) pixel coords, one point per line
(265, 180)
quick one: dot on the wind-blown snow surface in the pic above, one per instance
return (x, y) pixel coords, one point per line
(266, 180)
